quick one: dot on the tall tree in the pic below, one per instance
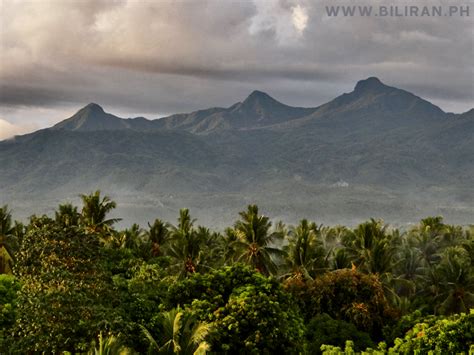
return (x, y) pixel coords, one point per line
(305, 251)
(187, 243)
(371, 247)
(456, 281)
(95, 210)
(66, 295)
(255, 240)
(158, 235)
(67, 215)
(6, 225)
(10, 236)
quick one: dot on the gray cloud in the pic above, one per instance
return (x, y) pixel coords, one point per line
(159, 57)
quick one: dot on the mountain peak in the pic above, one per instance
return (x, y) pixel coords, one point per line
(93, 107)
(91, 112)
(91, 117)
(370, 84)
(260, 97)
(258, 93)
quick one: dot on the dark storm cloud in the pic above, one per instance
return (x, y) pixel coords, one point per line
(159, 57)
(11, 95)
(250, 73)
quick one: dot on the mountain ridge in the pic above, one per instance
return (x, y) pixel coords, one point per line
(259, 110)
(377, 151)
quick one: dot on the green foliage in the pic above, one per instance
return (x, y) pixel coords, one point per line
(322, 329)
(371, 247)
(109, 345)
(346, 295)
(248, 312)
(349, 349)
(190, 247)
(143, 290)
(429, 335)
(10, 235)
(66, 296)
(214, 287)
(9, 286)
(440, 335)
(95, 210)
(404, 324)
(456, 281)
(253, 244)
(181, 289)
(140, 289)
(306, 254)
(67, 215)
(177, 332)
(158, 235)
(6, 227)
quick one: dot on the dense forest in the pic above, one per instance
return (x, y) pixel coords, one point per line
(79, 285)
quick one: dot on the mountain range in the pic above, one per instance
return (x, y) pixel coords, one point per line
(377, 151)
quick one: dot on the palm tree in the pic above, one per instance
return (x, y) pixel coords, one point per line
(340, 259)
(408, 269)
(254, 240)
(427, 237)
(6, 227)
(229, 245)
(371, 247)
(132, 238)
(337, 257)
(95, 210)
(305, 252)
(433, 225)
(109, 345)
(187, 243)
(452, 235)
(178, 333)
(456, 281)
(67, 215)
(10, 237)
(427, 241)
(158, 234)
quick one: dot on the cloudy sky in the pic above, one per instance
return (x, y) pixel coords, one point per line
(158, 57)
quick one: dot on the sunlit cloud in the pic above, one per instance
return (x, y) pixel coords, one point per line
(279, 20)
(300, 18)
(8, 130)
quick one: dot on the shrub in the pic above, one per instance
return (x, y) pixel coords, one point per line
(249, 313)
(451, 335)
(322, 329)
(346, 295)
(9, 287)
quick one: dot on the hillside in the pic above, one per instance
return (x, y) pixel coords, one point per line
(377, 151)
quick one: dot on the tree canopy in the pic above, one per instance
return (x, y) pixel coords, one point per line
(83, 285)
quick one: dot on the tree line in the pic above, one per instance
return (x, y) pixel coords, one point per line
(82, 286)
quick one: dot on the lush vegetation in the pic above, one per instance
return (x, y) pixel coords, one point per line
(80, 285)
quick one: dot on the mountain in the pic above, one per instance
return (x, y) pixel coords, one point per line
(371, 95)
(93, 118)
(377, 151)
(370, 98)
(256, 111)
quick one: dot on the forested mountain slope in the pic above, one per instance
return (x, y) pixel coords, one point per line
(377, 151)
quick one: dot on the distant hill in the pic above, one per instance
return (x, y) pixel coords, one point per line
(93, 118)
(377, 151)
